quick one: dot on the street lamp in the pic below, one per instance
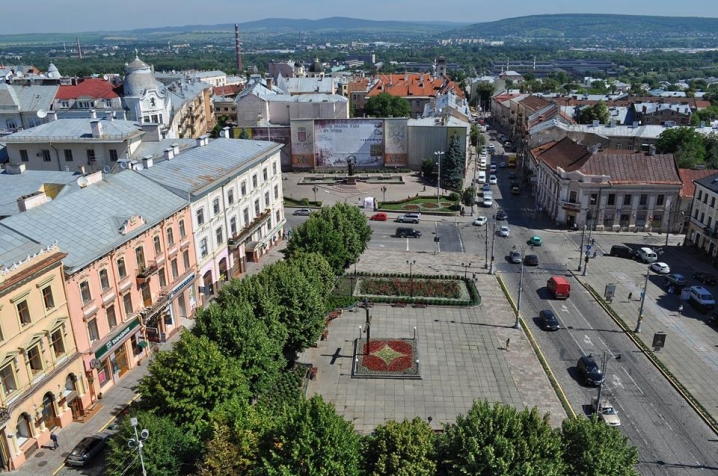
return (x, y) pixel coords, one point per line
(438, 153)
(137, 442)
(466, 268)
(486, 246)
(411, 263)
(353, 279)
(643, 301)
(383, 191)
(315, 189)
(493, 242)
(521, 285)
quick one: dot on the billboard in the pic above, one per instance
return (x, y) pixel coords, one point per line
(302, 141)
(337, 141)
(396, 146)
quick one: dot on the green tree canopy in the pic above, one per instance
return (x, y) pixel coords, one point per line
(311, 439)
(386, 105)
(593, 448)
(598, 111)
(187, 382)
(500, 440)
(400, 449)
(685, 143)
(427, 167)
(452, 165)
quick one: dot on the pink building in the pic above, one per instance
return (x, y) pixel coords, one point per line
(129, 272)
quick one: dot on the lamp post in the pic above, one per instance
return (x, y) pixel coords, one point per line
(438, 153)
(580, 251)
(486, 247)
(353, 278)
(383, 191)
(137, 442)
(521, 285)
(411, 263)
(315, 189)
(493, 242)
(466, 268)
(643, 301)
(668, 221)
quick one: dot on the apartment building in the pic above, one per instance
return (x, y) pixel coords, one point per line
(703, 224)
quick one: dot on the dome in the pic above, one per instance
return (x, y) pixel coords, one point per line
(52, 72)
(139, 78)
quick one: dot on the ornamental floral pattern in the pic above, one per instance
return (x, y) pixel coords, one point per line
(386, 358)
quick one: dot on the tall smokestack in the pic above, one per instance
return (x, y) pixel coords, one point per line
(79, 50)
(238, 48)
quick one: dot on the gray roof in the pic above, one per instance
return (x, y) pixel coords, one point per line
(157, 149)
(710, 182)
(201, 169)
(76, 129)
(3, 153)
(180, 93)
(15, 248)
(209, 74)
(27, 98)
(86, 223)
(15, 186)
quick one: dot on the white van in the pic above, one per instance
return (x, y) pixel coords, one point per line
(647, 255)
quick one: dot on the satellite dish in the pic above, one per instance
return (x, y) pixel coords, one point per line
(82, 182)
(123, 165)
(41, 113)
(105, 77)
(106, 169)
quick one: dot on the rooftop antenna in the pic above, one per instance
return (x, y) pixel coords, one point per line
(79, 50)
(238, 47)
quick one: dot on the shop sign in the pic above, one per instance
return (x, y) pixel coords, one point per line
(182, 285)
(118, 338)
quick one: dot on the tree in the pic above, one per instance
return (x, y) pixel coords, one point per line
(500, 440)
(167, 452)
(311, 439)
(187, 382)
(427, 168)
(474, 135)
(685, 143)
(452, 167)
(468, 196)
(592, 448)
(598, 111)
(710, 142)
(386, 105)
(400, 449)
(317, 271)
(485, 90)
(243, 134)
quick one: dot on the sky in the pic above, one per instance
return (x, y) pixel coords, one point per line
(71, 16)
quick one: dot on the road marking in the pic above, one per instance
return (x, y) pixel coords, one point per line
(564, 308)
(617, 381)
(407, 244)
(461, 242)
(587, 340)
(634, 382)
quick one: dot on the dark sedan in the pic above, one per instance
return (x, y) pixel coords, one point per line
(85, 450)
(531, 260)
(501, 215)
(705, 278)
(548, 320)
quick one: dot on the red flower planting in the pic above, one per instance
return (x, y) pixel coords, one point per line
(429, 288)
(388, 356)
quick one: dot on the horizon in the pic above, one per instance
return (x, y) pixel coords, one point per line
(74, 16)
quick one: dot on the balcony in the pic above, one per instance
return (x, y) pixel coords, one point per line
(143, 275)
(4, 415)
(573, 206)
(236, 240)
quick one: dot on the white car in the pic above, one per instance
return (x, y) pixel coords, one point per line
(504, 231)
(660, 267)
(493, 180)
(480, 221)
(488, 201)
(606, 412)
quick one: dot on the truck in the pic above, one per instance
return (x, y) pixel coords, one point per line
(512, 161)
(559, 287)
(605, 412)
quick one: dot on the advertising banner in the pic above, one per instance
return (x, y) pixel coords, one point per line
(302, 139)
(396, 149)
(339, 140)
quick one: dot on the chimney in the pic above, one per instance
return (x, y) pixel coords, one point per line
(652, 149)
(27, 202)
(269, 83)
(81, 169)
(93, 114)
(225, 132)
(200, 141)
(175, 148)
(148, 162)
(96, 129)
(51, 116)
(15, 169)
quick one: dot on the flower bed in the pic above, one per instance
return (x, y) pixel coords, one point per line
(428, 288)
(386, 358)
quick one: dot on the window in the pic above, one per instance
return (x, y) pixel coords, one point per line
(700, 194)
(215, 206)
(627, 200)
(203, 247)
(230, 196)
(219, 235)
(163, 277)
(276, 192)
(277, 216)
(643, 200)
(659, 200)
(713, 202)
(708, 223)
(113, 155)
(121, 270)
(68, 155)
(127, 304)
(23, 311)
(45, 155)
(158, 245)
(183, 232)
(104, 280)
(611, 199)
(92, 330)
(111, 316)
(57, 343)
(23, 156)
(244, 188)
(185, 259)
(233, 226)
(85, 293)
(200, 216)
(256, 208)
(245, 215)
(265, 175)
(34, 358)
(175, 269)
(254, 181)
(572, 196)
(266, 199)
(274, 168)
(90, 156)
(7, 374)
(140, 256)
(47, 297)
(170, 237)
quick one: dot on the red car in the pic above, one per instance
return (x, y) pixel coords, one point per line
(379, 217)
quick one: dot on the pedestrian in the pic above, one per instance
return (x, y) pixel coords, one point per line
(680, 309)
(508, 342)
(55, 444)
(630, 296)
(671, 289)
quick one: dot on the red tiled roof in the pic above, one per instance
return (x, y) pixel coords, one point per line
(688, 176)
(414, 84)
(89, 88)
(228, 90)
(534, 103)
(359, 85)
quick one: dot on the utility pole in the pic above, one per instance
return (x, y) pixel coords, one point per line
(668, 222)
(493, 242)
(521, 285)
(138, 442)
(438, 153)
(486, 248)
(580, 251)
(643, 301)
(604, 365)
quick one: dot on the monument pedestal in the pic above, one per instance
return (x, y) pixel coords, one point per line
(351, 180)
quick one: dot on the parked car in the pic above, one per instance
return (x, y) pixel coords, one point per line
(660, 267)
(512, 175)
(515, 257)
(548, 320)
(705, 278)
(502, 165)
(677, 280)
(487, 201)
(535, 241)
(480, 221)
(647, 255)
(505, 231)
(303, 212)
(531, 260)
(493, 180)
(381, 216)
(702, 297)
(501, 215)
(486, 187)
(589, 370)
(606, 412)
(403, 232)
(409, 218)
(85, 450)
(623, 251)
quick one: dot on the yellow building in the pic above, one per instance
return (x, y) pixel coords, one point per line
(41, 376)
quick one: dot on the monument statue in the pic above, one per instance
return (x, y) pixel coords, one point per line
(351, 163)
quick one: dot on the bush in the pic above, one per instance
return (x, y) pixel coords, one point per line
(304, 201)
(454, 197)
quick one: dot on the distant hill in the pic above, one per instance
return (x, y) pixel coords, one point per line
(591, 26)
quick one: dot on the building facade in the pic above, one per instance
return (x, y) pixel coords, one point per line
(703, 224)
